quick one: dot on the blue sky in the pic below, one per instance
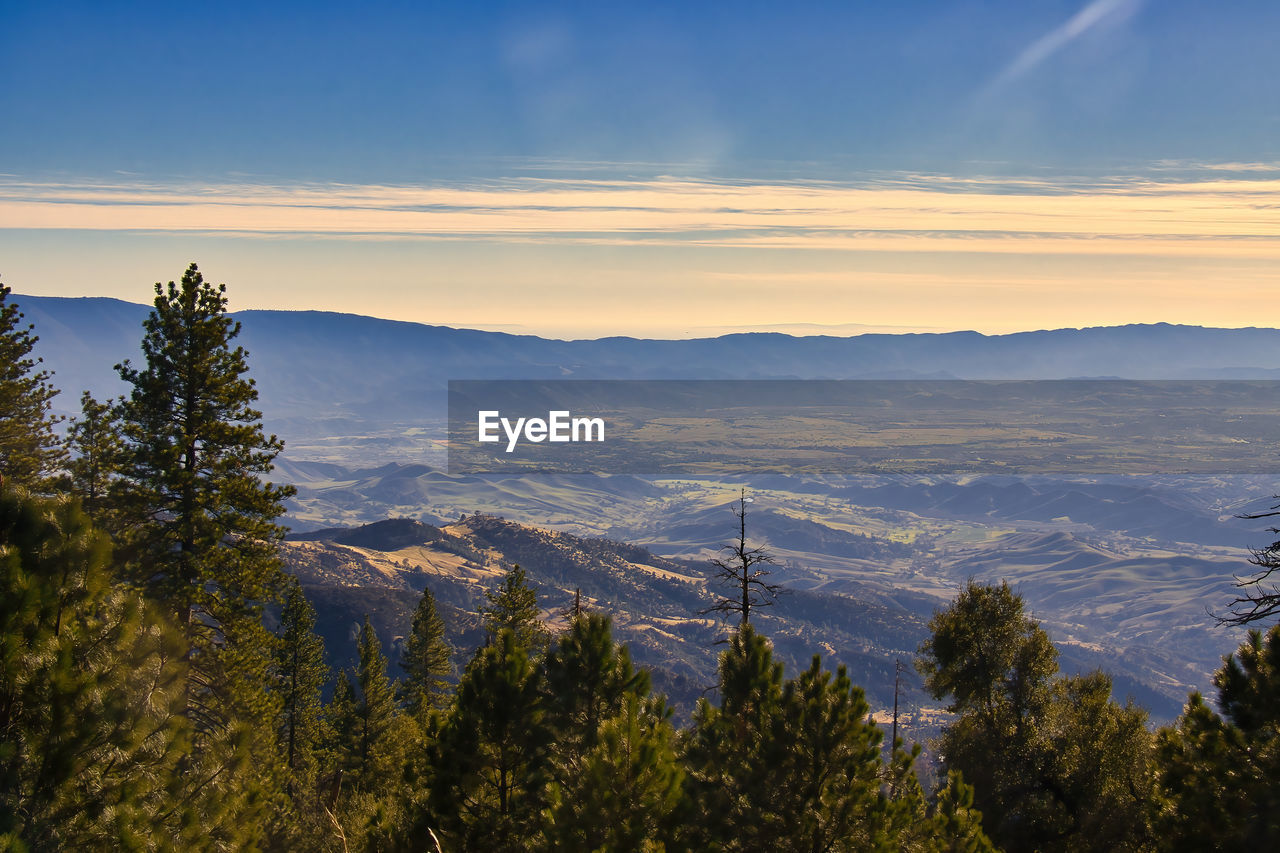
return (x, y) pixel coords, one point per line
(664, 169)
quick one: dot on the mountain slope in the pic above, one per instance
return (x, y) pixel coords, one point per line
(655, 602)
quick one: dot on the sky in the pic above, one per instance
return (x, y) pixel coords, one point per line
(655, 169)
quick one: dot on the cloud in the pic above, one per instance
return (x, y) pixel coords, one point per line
(1193, 166)
(1088, 18)
(1221, 214)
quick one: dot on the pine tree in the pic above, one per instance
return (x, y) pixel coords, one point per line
(826, 756)
(489, 763)
(588, 678)
(425, 660)
(378, 753)
(626, 789)
(342, 725)
(300, 675)
(367, 722)
(205, 532)
(793, 765)
(1218, 771)
(90, 736)
(514, 606)
(200, 536)
(367, 751)
(30, 452)
(953, 825)
(729, 752)
(97, 447)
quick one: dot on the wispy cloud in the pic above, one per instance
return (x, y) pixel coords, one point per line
(1193, 166)
(1223, 213)
(1091, 16)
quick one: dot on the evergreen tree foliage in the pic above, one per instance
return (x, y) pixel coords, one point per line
(1098, 756)
(626, 788)
(906, 820)
(956, 826)
(425, 661)
(827, 765)
(370, 737)
(587, 678)
(205, 527)
(1219, 770)
(370, 750)
(985, 653)
(490, 760)
(300, 675)
(513, 606)
(97, 452)
(1055, 762)
(796, 765)
(200, 535)
(342, 725)
(90, 736)
(729, 752)
(30, 452)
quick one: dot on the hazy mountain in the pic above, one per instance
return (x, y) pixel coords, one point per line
(320, 372)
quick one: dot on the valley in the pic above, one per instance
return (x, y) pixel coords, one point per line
(1124, 573)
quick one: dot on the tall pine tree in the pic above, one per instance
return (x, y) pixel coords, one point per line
(300, 675)
(30, 452)
(200, 536)
(370, 736)
(827, 760)
(728, 753)
(375, 752)
(425, 660)
(489, 765)
(587, 679)
(626, 790)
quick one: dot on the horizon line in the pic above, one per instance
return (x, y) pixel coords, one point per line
(762, 329)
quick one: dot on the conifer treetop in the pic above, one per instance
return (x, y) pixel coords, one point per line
(30, 452)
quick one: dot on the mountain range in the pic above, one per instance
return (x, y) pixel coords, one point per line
(320, 373)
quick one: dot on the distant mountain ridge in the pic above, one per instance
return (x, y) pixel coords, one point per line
(321, 366)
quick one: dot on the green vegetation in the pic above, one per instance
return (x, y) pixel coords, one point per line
(162, 684)
(1219, 769)
(513, 607)
(1055, 762)
(30, 453)
(426, 660)
(91, 734)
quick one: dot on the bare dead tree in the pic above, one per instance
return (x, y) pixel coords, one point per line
(740, 569)
(1260, 596)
